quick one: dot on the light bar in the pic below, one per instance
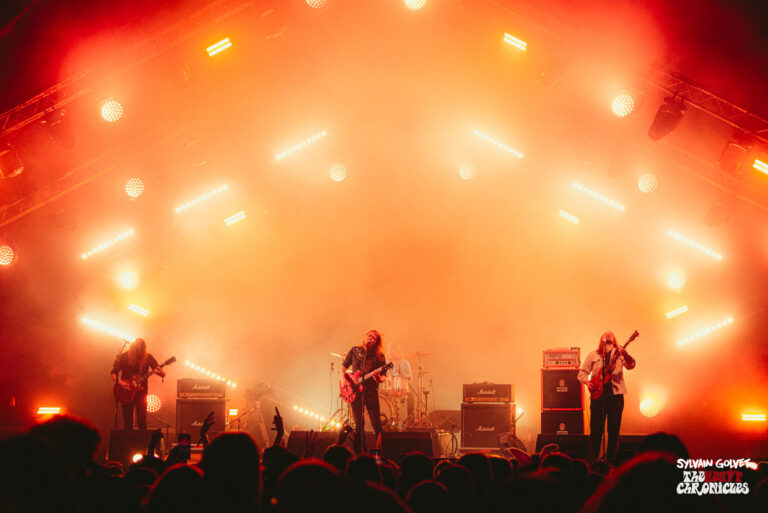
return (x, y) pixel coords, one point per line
(104, 245)
(309, 413)
(675, 313)
(219, 47)
(753, 417)
(210, 374)
(599, 196)
(233, 412)
(234, 218)
(499, 144)
(696, 245)
(760, 166)
(48, 410)
(139, 310)
(190, 204)
(572, 218)
(307, 142)
(705, 332)
(99, 326)
(517, 43)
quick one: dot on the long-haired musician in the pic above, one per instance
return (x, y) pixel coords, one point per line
(610, 404)
(366, 357)
(135, 362)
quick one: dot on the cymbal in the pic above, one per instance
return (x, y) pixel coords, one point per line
(418, 354)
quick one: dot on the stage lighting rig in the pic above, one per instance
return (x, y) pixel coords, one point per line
(10, 163)
(669, 115)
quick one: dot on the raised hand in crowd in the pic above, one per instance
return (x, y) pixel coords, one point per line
(277, 420)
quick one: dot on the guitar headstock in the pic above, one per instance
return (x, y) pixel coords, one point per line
(169, 361)
(634, 336)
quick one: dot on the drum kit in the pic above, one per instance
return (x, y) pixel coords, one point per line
(403, 399)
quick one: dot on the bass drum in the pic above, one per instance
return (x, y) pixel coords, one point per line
(387, 410)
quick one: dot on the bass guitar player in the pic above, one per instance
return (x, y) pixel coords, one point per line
(603, 373)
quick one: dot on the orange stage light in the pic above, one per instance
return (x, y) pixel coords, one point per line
(499, 144)
(517, 43)
(153, 403)
(134, 188)
(760, 166)
(111, 111)
(303, 144)
(649, 408)
(219, 47)
(6, 255)
(129, 279)
(753, 417)
(647, 183)
(338, 172)
(415, 5)
(623, 105)
(49, 410)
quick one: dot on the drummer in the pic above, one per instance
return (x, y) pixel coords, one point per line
(400, 376)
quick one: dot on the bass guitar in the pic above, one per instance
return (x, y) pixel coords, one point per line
(125, 395)
(351, 384)
(599, 379)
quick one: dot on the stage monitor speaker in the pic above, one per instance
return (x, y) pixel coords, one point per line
(575, 446)
(561, 390)
(124, 443)
(630, 442)
(190, 414)
(562, 422)
(396, 444)
(482, 425)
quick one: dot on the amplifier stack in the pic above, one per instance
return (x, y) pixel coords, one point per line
(562, 395)
(487, 412)
(196, 398)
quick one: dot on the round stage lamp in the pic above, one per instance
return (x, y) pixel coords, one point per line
(647, 183)
(677, 280)
(111, 111)
(153, 403)
(623, 105)
(338, 172)
(317, 4)
(134, 188)
(649, 408)
(129, 279)
(415, 5)
(468, 170)
(6, 255)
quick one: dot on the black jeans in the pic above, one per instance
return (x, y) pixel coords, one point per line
(371, 399)
(609, 406)
(140, 404)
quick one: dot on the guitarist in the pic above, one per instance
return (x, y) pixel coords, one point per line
(128, 365)
(369, 355)
(610, 404)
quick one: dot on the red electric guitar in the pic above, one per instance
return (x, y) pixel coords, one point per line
(351, 384)
(595, 384)
(125, 395)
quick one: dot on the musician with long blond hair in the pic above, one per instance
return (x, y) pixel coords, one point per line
(610, 404)
(128, 365)
(366, 357)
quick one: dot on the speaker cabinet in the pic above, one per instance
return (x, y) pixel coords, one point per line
(124, 443)
(561, 390)
(562, 422)
(190, 414)
(483, 424)
(630, 442)
(575, 446)
(393, 444)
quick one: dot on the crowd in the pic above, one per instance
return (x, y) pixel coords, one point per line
(52, 469)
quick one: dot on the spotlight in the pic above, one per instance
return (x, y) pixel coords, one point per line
(623, 105)
(415, 5)
(234, 218)
(99, 326)
(517, 43)
(677, 280)
(705, 332)
(317, 4)
(753, 417)
(649, 408)
(134, 188)
(669, 115)
(7, 254)
(572, 218)
(338, 172)
(129, 279)
(137, 457)
(111, 111)
(761, 164)
(10, 163)
(678, 311)
(468, 170)
(139, 310)
(48, 410)
(153, 403)
(735, 153)
(647, 183)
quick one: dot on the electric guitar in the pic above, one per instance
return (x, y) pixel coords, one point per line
(351, 384)
(596, 382)
(125, 395)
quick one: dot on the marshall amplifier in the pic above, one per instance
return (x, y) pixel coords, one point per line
(488, 393)
(562, 422)
(561, 390)
(190, 414)
(201, 388)
(559, 358)
(482, 425)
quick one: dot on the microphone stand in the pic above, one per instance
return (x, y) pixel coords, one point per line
(364, 445)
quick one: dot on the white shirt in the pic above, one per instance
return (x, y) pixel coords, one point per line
(593, 364)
